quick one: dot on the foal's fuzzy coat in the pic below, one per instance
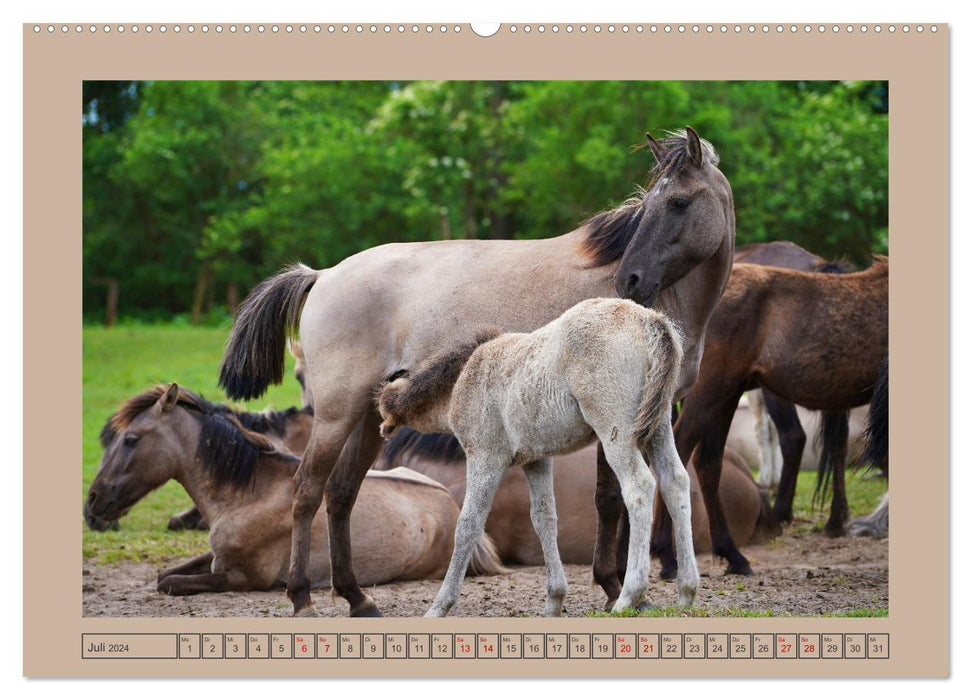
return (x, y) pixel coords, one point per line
(607, 369)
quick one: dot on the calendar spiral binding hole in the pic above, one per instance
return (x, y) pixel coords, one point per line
(430, 29)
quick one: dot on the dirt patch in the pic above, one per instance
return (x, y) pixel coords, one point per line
(797, 574)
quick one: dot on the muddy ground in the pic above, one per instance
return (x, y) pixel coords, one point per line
(797, 574)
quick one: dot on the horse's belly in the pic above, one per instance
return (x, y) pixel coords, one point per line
(544, 425)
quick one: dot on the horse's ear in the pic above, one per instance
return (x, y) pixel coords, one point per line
(296, 349)
(693, 143)
(170, 398)
(657, 148)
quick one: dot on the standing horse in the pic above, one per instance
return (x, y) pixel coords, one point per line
(242, 484)
(814, 339)
(386, 309)
(606, 369)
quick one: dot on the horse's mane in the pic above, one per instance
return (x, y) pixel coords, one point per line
(227, 449)
(435, 446)
(426, 385)
(609, 232)
(835, 267)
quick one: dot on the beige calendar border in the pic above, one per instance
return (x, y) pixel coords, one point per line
(916, 66)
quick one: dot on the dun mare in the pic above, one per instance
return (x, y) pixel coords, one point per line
(606, 369)
(243, 486)
(814, 339)
(387, 309)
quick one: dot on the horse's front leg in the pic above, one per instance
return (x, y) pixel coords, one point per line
(190, 519)
(542, 511)
(198, 565)
(675, 488)
(180, 584)
(610, 508)
(483, 475)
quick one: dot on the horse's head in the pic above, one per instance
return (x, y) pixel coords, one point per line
(686, 216)
(142, 450)
(392, 405)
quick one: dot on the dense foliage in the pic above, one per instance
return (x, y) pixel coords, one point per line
(194, 191)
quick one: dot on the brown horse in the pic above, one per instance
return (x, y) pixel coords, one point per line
(243, 486)
(813, 339)
(288, 430)
(441, 457)
(388, 308)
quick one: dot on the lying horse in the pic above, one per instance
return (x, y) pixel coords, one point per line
(288, 430)
(607, 369)
(747, 510)
(243, 485)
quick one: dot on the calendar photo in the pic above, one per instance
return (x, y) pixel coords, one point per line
(380, 368)
(416, 223)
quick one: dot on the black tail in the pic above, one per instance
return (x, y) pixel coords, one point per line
(255, 354)
(833, 435)
(877, 435)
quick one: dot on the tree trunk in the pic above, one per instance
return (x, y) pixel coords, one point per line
(232, 297)
(202, 286)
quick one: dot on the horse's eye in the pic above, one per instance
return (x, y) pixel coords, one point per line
(131, 440)
(679, 203)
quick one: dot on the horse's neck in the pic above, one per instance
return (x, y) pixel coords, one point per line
(213, 499)
(690, 302)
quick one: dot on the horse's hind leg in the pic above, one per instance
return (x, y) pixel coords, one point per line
(767, 436)
(792, 441)
(542, 511)
(483, 475)
(326, 441)
(672, 479)
(610, 509)
(637, 485)
(342, 488)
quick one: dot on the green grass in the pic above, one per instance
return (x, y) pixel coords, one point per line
(863, 493)
(120, 362)
(731, 612)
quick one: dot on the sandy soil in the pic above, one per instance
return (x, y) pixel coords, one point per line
(797, 574)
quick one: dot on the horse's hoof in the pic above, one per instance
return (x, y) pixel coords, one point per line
(644, 606)
(739, 569)
(835, 529)
(176, 524)
(669, 573)
(306, 611)
(368, 610)
(609, 605)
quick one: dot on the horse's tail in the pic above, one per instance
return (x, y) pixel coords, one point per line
(661, 373)
(877, 432)
(485, 559)
(834, 430)
(255, 354)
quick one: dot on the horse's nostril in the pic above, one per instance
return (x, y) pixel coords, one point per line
(633, 281)
(92, 497)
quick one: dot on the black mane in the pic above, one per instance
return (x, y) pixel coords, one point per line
(230, 441)
(437, 446)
